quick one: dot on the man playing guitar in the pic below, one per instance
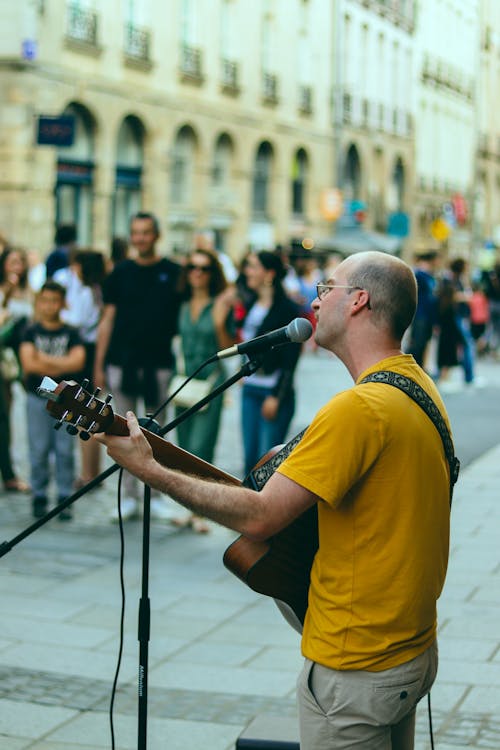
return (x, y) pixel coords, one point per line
(375, 467)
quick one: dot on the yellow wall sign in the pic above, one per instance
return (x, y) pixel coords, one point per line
(440, 230)
(331, 204)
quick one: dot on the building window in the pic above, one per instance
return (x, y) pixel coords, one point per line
(128, 175)
(221, 165)
(299, 182)
(352, 175)
(75, 176)
(261, 179)
(81, 23)
(190, 51)
(182, 167)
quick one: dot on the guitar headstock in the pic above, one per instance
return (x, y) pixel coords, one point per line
(81, 411)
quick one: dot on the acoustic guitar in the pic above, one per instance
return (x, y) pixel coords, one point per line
(278, 567)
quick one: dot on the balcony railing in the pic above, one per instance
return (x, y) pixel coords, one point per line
(483, 144)
(346, 107)
(381, 116)
(137, 42)
(191, 63)
(365, 113)
(81, 25)
(305, 99)
(229, 76)
(270, 88)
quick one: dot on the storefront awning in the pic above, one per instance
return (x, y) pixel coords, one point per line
(358, 240)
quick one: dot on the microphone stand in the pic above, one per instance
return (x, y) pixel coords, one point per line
(144, 605)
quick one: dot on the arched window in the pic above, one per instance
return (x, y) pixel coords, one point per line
(261, 178)
(129, 161)
(352, 174)
(299, 181)
(221, 165)
(398, 185)
(75, 175)
(182, 167)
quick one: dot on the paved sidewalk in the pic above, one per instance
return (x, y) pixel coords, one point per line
(219, 654)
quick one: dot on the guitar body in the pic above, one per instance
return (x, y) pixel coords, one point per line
(279, 567)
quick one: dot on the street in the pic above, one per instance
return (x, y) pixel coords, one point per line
(219, 654)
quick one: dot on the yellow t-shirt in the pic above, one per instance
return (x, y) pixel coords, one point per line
(377, 461)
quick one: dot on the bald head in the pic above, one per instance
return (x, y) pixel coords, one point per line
(391, 285)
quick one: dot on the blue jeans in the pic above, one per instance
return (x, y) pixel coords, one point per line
(468, 349)
(259, 434)
(45, 442)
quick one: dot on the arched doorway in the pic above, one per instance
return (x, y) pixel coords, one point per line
(75, 175)
(221, 194)
(261, 180)
(129, 163)
(352, 175)
(182, 186)
(183, 167)
(300, 167)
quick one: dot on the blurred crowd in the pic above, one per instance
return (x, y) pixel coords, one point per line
(457, 318)
(132, 323)
(135, 324)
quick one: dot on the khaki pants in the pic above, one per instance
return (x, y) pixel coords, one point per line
(358, 709)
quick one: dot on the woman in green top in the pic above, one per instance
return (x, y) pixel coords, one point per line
(205, 326)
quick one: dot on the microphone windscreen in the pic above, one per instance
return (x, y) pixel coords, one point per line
(299, 330)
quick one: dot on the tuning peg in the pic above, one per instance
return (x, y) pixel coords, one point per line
(85, 383)
(96, 392)
(84, 435)
(108, 398)
(58, 425)
(71, 429)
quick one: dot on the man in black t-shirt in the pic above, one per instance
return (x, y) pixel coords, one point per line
(134, 342)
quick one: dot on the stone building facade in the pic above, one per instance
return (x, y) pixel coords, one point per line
(214, 114)
(245, 120)
(374, 112)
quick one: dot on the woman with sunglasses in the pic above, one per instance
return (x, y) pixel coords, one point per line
(268, 400)
(205, 326)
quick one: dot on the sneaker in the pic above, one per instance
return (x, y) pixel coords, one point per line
(160, 511)
(128, 508)
(39, 506)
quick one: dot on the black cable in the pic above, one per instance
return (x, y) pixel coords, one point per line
(431, 733)
(122, 615)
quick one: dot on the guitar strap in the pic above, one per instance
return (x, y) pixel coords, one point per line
(415, 392)
(259, 476)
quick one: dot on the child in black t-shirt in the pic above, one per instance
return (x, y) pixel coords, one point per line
(49, 347)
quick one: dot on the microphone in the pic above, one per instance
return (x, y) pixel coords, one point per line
(296, 332)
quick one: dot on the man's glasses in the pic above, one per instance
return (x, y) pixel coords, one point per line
(323, 289)
(203, 269)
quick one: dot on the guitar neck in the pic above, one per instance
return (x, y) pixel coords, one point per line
(172, 456)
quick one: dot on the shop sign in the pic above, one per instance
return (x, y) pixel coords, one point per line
(55, 131)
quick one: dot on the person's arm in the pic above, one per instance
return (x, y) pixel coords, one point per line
(72, 361)
(104, 331)
(257, 515)
(221, 315)
(35, 362)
